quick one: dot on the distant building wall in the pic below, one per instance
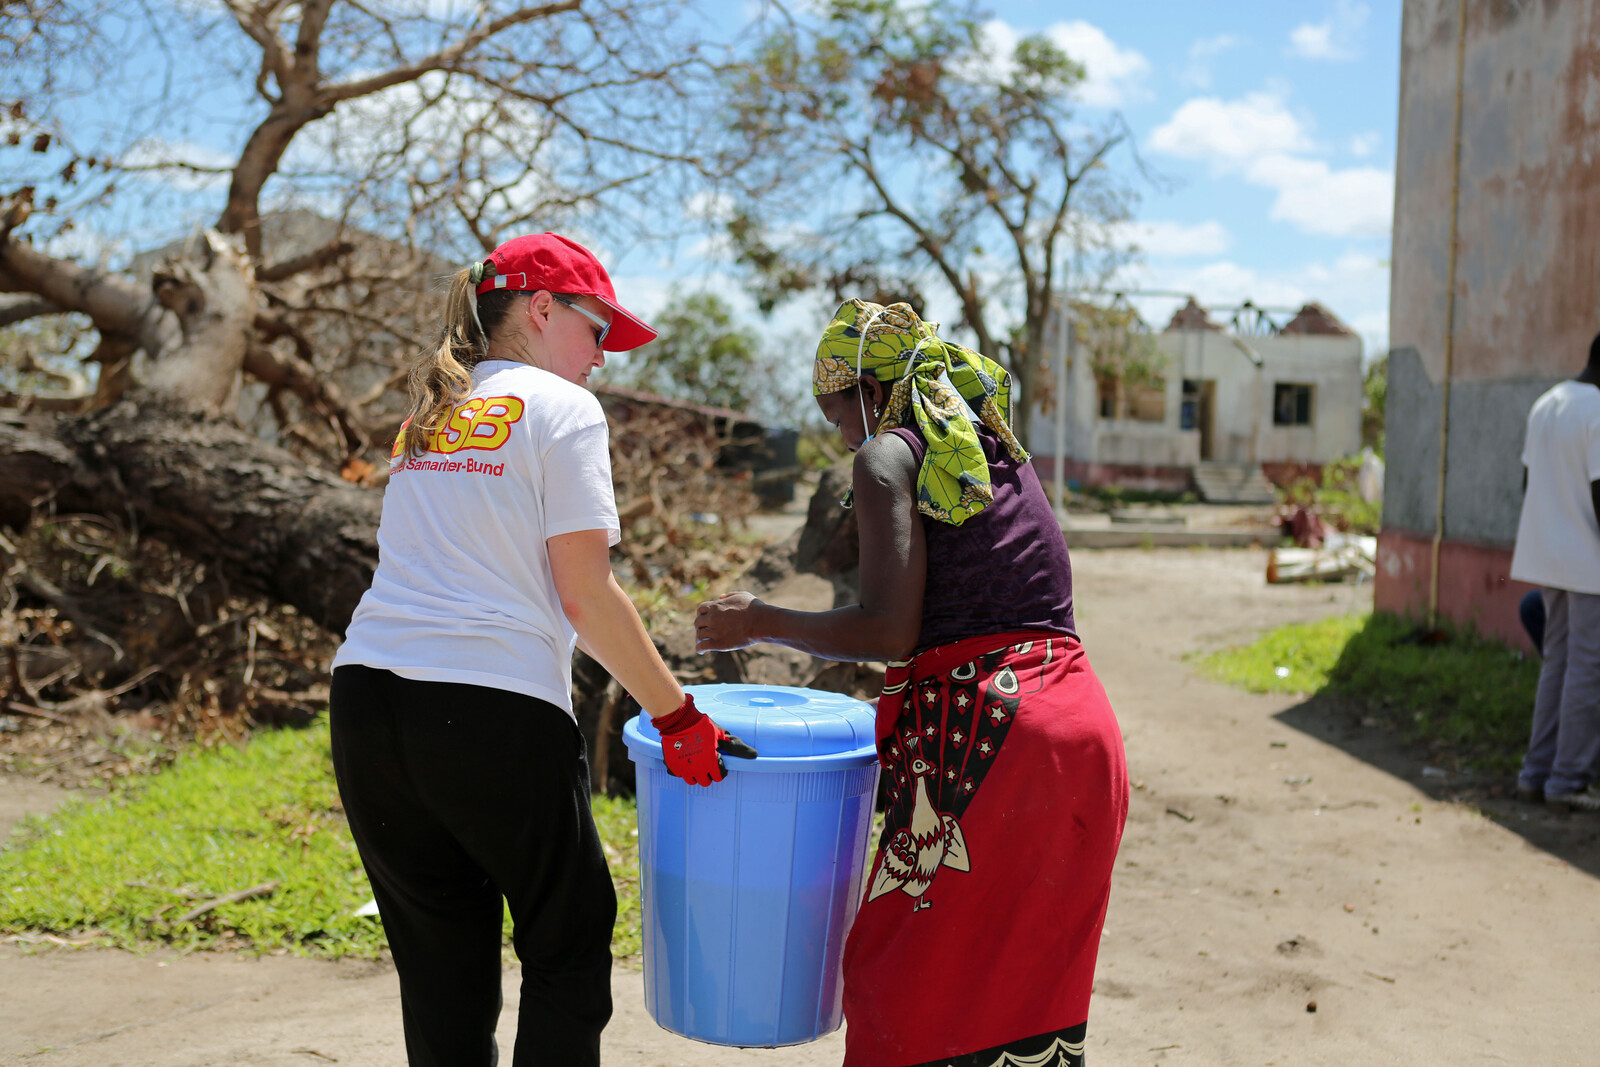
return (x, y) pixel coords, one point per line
(1243, 428)
(1527, 289)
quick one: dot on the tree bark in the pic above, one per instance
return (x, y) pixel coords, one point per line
(272, 524)
(215, 298)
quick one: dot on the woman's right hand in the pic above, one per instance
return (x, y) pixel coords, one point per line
(726, 623)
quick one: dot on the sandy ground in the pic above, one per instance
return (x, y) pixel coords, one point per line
(1277, 854)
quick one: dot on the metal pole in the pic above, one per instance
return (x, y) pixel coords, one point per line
(1449, 325)
(1063, 361)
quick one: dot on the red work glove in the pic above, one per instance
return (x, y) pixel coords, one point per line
(690, 743)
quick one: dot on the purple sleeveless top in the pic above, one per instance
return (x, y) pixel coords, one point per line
(1005, 568)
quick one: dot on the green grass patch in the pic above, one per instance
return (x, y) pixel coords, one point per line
(1466, 696)
(130, 866)
(618, 821)
(1291, 659)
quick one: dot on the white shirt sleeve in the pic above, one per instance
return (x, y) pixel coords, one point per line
(577, 483)
(1592, 450)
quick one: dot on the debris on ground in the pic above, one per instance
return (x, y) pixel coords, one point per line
(1340, 556)
(683, 517)
(118, 651)
(1303, 526)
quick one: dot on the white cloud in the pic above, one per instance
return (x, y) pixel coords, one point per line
(1258, 138)
(1229, 132)
(1335, 38)
(1197, 74)
(443, 10)
(1313, 41)
(1363, 145)
(1176, 240)
(1115, 74)
(710, 206)
(1318, 199)
(1112, 75)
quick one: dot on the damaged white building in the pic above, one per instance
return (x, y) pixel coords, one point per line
(1233, 407)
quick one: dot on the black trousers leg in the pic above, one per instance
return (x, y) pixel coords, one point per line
(458, 795)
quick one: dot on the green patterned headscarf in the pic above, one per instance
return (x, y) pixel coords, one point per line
(895, 346)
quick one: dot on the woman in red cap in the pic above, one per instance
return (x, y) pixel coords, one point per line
(459, 762)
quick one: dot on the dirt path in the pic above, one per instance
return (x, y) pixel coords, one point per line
(1425, 932)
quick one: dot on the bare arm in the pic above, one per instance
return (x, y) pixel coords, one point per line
(894, 568)
(608, 626)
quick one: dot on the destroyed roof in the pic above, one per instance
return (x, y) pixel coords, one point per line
(1316, 319)
(1192, 317)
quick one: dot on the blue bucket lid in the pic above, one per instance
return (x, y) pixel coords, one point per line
(794, 729)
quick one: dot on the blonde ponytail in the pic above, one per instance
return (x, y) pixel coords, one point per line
(442, 377)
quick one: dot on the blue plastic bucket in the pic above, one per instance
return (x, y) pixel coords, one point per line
(749, 887)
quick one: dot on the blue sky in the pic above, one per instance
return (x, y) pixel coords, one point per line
(1275, 121)
(1271, 127)
(1271, 124)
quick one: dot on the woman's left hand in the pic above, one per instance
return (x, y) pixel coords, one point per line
(726, 623)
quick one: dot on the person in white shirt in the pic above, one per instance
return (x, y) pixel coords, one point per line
(1558, 547)
(459, 763)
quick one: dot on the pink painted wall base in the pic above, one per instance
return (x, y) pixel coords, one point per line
(1475, 584)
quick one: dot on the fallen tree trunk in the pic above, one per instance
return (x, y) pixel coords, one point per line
(271, 523)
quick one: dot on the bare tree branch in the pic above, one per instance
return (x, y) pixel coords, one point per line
(958, 163)
(256, 21)
(316, 259)
(446, 58)
(17, 309)
(113, 302)
(282, 371)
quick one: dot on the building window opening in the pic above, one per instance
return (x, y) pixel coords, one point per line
(1293, 404)
(1147, 401)
(1107, 391)
(1144, 401)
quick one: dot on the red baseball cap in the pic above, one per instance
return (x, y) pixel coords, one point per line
(559, 264)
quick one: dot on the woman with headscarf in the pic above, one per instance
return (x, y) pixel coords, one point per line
(1005, 782)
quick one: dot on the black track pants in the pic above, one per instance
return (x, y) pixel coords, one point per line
(459, 795)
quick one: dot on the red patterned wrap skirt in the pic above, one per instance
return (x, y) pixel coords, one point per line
(1007, 791)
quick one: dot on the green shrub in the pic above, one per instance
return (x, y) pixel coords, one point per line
(1337, 498)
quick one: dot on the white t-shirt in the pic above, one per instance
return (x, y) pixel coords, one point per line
(1558, 539)
(463, 590)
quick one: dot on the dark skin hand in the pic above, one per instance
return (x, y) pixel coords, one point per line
(885, 625)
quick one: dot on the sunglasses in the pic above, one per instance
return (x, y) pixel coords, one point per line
(605, 327)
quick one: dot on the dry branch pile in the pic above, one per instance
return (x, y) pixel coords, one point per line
(118, 650)
(683, 518)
